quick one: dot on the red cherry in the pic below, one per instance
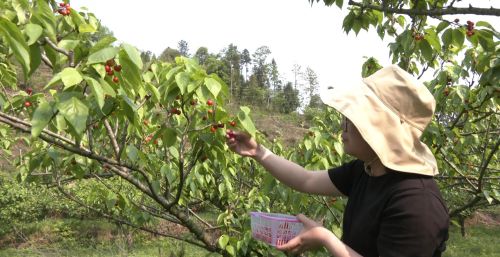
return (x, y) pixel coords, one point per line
(62, 4)
(61, 11)
(213, 129)
(110, 62)
(29, 90)
(118, 68)
(27, 104)
(67, 5)
(210, 111)
(174, 111)
(210, 102)
(220, 125)
(115, 79)
(108, 68)
(146, 122)
(230, 133)
(232, 123)
(155, 142)
(469, 33)
(67, 12)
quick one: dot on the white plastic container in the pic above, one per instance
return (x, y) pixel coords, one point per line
(274, 228)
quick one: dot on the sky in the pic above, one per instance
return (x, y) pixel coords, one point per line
(294, 31)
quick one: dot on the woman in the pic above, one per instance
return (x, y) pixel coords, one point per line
(394, 206)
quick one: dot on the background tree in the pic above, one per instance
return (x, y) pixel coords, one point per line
(183, 48)
(169, 54)
(260, 66)
(201, 55)
(246, 60)
(311, 86)
(232, 59)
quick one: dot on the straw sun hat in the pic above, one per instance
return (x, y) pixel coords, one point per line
(390, 109)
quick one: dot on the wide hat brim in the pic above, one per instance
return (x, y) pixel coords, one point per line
(396, 142)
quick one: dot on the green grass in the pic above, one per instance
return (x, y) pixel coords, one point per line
(89, 238)
(480, 240)
(164, 248)
(75, 238)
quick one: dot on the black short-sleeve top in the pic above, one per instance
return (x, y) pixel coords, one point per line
(396, 214)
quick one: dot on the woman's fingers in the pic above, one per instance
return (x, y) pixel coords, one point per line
(294, 243)
(306, 221)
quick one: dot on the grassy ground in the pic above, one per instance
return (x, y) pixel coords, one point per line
(480, 240)
(74, 238)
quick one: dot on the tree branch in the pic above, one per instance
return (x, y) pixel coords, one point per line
(69, 54)
(47, 62)
(112, 137)
(128, 223)
(485, 163)
(457, 170)
(433, 12)
(53, 138)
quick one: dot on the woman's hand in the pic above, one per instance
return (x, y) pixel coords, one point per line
(312, 236)
(242, 143)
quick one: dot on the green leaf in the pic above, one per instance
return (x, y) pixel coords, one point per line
(33, 31)
(8, 75)
(169, 136)
(156, 186)
(447, 37)
(339, 3)
(486, 40)
(487, 196)
(16, 42)
(55, 79)
(401, 20)
(75, 112)
(41, 117)
(484, 24)
(21, 7)
(44, 17)
(102, 55)
(108, 90)
(432, 38)
(442, 25)
(70, 77)
(130, 72)
(458, 38)
(35, 57)
(128, 107)
(223, 240)
(213, 86)
(68, 44)
(338, 147)
(425, 49)
(154, 91)
(96, 90)
(86, 28)
(132, 152)
(230, 250)
(245, 121)
(111, 200)
(182, 79)
(133, 54)
(103, 43)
